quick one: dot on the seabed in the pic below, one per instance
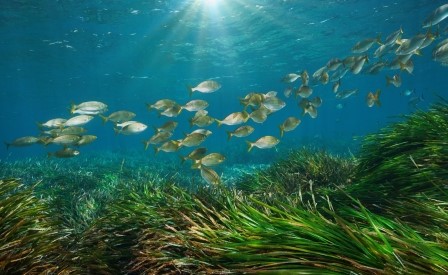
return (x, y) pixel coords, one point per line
(383, 210)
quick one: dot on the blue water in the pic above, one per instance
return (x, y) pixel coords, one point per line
(128, 53)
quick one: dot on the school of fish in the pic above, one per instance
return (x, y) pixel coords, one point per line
(394, 53)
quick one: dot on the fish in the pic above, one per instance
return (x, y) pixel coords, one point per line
(393, 37)
(161, 105)
(318, 74)
(252, 99)
(260, 115)
(202, 131)
(208, 86)
(429, 38)
(264, 142)
(408, 92)
(287, 92)
(350, 60)
(124, 124)
(210, 176)
(118, 117)
(78, 120)
(52, 123)
(88, 112)
(288, 125)
(196, 154)
(87, 139)
(440, 52)
(336, 86)
(88, 108)
(381, 51)
(373, 98)
(273, 103)
(72, 130)
(304, 91)
(242, 131)
(131, 129)
(412, 45)
(324, 78)
(211, 159)
(359, 63)
(339, 73)
(195, 105)
(408, 66)
(66, 140)
(65, 152)
(305, 77)
(365, 45)
(289, 78)
(394, 80)
(157, 138)
(339, 106)
(308, 108)
(400, 59)
(234, 118)
(346, 93)
(173, 111)
(376, 67)
(316, 102)
(23, 141)
(168, 126)
(437, 16)
(201, 119)
(192, 140)
(169, 146)
(333, 64)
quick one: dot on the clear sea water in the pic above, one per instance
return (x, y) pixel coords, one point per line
(129, 53)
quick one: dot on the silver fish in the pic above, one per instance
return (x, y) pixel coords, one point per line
(263, 143)
(436, 16)
(208, 86)
(64, 153)
(23, 141)
(346, 93)
(78, 120)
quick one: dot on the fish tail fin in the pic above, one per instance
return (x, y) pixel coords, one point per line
(250, 145)
(104, 118)
(190, 121)
(156, 150)
(182, 159)
(148, 106)
(377, 95)
(72, 108)
(418, 52)
(117, 131)
(403, 67)
(50, 154)
(47, 141)
(7, 145)
(378, 39)
(282, 130)
(196, 165)
(229, 135)
(40, 126)
(219, 122)
(146, 143)
(190, 90)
